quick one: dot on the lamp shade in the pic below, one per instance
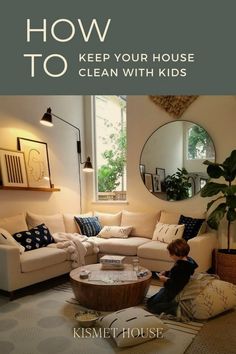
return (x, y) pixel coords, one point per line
(47, 118)
(88, 167)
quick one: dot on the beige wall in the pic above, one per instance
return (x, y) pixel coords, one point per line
(19, 116)
(217, 114)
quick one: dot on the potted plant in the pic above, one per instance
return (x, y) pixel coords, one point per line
(177, 185)
(225, 207)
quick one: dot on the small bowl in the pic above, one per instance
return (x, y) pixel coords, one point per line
(87, 318)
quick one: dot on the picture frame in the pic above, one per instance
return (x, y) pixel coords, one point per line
(148, 181)
(13, 168)
(156, 183)
(37, 162)
(162, 173)
(142, 170)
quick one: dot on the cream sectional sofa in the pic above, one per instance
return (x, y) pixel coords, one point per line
(153, 254)
(20, 270)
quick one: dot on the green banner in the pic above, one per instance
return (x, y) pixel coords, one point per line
(114, 47)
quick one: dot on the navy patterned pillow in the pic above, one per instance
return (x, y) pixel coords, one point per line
(89, 226)
(34, 238)
(192, 226)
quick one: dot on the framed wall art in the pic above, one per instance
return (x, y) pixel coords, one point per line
(156, 183)
(13, 168)
(148, 181)
(37, 162)
(162, 173)
(142, 170)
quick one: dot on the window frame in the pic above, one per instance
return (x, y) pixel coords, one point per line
(95, 155)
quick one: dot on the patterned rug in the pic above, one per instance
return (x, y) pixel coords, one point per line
(44, 323)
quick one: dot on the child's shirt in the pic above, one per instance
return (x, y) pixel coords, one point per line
(179, 276)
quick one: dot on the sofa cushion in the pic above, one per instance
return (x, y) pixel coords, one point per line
(71, 225)
(41, 258)
(7, 239)
(107, 219)
(167, 232)
(143, 223)
(125, 246)
(173, 218)
(133, 326)
(154, 250)
(36, 237)
(14, 223)
(192, 226)
(115, 231)
(89, 226)
(54, 222)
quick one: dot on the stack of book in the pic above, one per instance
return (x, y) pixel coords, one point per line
(112, 262)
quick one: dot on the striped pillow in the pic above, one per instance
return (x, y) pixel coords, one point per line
(89, 226)
(167, 232)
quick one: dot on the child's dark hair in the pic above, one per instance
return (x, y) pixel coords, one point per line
(179, 248)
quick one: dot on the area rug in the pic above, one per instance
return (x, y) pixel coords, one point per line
(44, 323)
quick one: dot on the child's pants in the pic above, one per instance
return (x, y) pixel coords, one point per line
(160, 302)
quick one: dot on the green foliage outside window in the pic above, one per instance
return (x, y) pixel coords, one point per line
(199, 143)
(110, 173)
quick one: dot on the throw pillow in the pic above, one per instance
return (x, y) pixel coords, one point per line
(143, 223)
(55, 222)
(14, 223)
(167, 233)
(34, 238)
(71, 225)
(7, 239)
(192, 226)
(107, 219)
(133, 326)
(89, 226)
(115, 231)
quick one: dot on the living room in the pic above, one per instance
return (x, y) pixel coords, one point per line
(20, 117)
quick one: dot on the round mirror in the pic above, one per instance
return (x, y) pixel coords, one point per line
(171, 162)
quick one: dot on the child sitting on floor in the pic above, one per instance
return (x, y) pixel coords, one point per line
(174, 280)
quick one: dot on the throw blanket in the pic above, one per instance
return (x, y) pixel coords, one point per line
(74, 245)
(196, 284)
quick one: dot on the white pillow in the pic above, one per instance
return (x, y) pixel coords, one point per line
(115, 231)
(133, 326)
(7, 239)
(108, 219)
(14, 224)
(167, 232)
(54, 223)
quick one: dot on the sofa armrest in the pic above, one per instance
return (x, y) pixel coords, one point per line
(9, 266)
(201, 248)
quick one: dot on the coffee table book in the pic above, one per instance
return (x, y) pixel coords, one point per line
(112, 266)
(108, 259)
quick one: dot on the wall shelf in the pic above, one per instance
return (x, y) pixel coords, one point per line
(30, 189)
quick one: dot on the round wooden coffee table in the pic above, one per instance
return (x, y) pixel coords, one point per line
(109, 296)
